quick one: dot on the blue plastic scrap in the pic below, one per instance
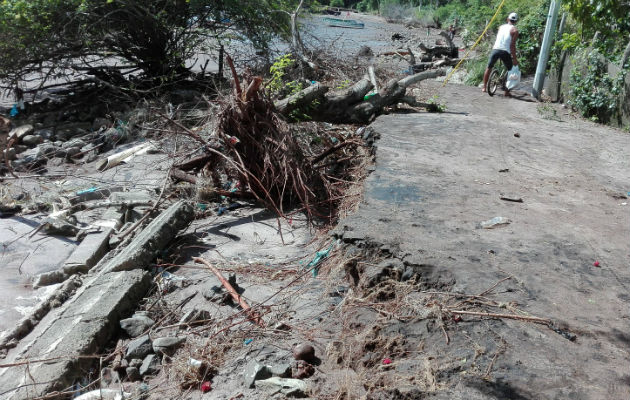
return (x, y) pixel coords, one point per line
(14, 111)
(319, 256)
(90, 190)
(247, 341)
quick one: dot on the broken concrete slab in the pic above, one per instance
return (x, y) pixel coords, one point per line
(90, 251)
(82, 326)
(141, 251)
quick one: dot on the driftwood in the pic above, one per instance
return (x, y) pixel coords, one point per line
(353, 105)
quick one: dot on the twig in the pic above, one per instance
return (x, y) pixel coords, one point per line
(493, 286)
(253, 314)
(537, 320)
(332, 150)
(155, 206)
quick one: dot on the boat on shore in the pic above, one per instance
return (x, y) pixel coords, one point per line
(344, 23)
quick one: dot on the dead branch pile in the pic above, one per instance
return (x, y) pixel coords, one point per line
(269, 159)
(257, 155)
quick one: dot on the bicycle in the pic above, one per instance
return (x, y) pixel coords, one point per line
(497, 78)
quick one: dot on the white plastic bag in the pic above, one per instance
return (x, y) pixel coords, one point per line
(514, 78)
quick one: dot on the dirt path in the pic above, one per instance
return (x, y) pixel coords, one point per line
(563, 257)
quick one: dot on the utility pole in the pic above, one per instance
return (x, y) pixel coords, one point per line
(539, 78)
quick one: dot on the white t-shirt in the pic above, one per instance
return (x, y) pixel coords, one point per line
(504, 39)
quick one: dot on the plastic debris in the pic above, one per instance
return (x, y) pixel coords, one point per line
(596, 264)
(319, 256)
(387, 361)
(206, 387)
(247, 341)
(494, 222)
(14, 111)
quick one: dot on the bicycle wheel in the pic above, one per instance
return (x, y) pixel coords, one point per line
(494, 81)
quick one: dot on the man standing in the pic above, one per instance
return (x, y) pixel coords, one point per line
(504, 48)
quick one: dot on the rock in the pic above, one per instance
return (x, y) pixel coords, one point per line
(32, 140)
(46, 134)
(304, 352)
(21, 131)
(9, 154)
(302, 370)
(282, 370)
(73, 143)
(49, 278)
(195, 317)
(133, 374)
(68, 131)
(139, 347)
(150, 365)
(109, 378)
(57, 226)
(135, 362)
(255, 371)
(47, 150)
(20, 148)
(136, 325)
(290, 387)
(72, 151)
(167, 345)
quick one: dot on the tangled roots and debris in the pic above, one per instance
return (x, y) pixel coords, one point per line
(269, 160)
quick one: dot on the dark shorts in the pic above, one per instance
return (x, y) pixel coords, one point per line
(500, 55)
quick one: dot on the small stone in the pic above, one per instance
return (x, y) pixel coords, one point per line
(302, 370)
(135, 362)
(32, 140)
(139, 347)
(133, 374)
(282, 370)
(47, 150)
(253, 372)
(49, 278)
(136, 325)
(304, 352)
(150, 365)
(167, 345)
(72, 151)
(109, 378)
(46, 134)
(9, 154)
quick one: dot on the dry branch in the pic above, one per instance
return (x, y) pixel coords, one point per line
(537, 320)
(254, 316)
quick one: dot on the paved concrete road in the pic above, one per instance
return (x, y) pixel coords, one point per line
(439, 175)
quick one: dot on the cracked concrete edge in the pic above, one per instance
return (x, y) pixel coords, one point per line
(154, 237)
(82, 327)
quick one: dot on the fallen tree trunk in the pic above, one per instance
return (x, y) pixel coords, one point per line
(355, 105)
(301, 98)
